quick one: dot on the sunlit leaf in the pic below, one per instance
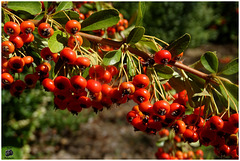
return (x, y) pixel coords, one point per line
(112, 57)
(57, 41)
(64, 5)
(230, 68)
(135, 35)
(101, 19)
(28, 6)
(210, 61)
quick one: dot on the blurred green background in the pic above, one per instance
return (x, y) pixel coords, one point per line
(205, 21)
(24, 120)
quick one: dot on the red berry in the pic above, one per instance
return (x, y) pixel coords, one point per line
(7, 79)
(131, 115)
(30, 80)
(46, 54)
(78, 82)
(112, 69)
(27, 38)
(127, 88)
(141, 81)
(73, 26)
(106, 77)
(82, 62)
(75, 40)
(234, 120)
(161, 107)
(216, 123)
(179, 127)
(16, 64)
(106, 89)
(28, 59)
(141, 95)
(45, 30)
(162, 57)
(146, 108)
(48, 84)
(11, 28)
(62, 83)
(27, 27)
(17, 41)
(224, 150)
(85, 102)
(94, 86)
(176, 110)
(68, 55)
(138, 124)
(7, 48)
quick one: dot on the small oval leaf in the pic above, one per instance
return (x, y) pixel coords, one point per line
(164, 71)
(57, 41)
(30, 7)
(210, 62)
(135, 35)
(230, 68)
(179, 45)
(101, 19)
(112, 57)
(64, 5)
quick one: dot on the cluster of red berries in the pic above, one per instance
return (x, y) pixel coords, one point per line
(161, 154)
(78, 93)
(120, 26)
(151, 118)
(18, 36)
(15, 63)
(219, 132)
(176, 152)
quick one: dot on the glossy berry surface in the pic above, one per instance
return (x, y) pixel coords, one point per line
(162, 57)
(73, 26)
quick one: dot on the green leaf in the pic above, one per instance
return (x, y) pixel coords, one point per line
(130, 67)
(39, 17)
(210, 61)
(28, 6)
(61, 18)
(148, 43)
(230, 92)
(230, 68)
(64, 5)
(179, 45)
(177, 83)
(112, 57)
(46, 4)
(141, 11)
(135, 35)
(57, 41)
(164, 71)
(86, 72)
(101, 19)
(6, 18)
